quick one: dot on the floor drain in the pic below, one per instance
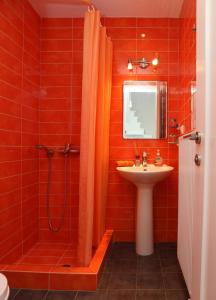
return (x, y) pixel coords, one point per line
(66, 266)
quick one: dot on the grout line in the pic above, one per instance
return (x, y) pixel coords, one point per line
(137, 261)
(76, 295)
(49, 280)
(61, 256)
(45, 296)
(14, 297)
(162, 274)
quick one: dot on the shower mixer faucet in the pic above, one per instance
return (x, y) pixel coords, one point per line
(49, 151)
(69, 149)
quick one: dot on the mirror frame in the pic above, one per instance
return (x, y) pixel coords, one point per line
(162, 88)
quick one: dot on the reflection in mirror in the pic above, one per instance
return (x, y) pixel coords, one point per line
(144, 109)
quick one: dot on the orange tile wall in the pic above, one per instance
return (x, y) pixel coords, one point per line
(19, 91)
(187, 61)
(162, 36)
(59, 121)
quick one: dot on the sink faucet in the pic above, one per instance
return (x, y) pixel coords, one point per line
(145, 159)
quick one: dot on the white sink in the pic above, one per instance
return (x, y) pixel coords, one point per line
(141, 175)
(145, 179)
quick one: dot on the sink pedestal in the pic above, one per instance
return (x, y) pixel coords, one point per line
(144, 220)
(145, 180)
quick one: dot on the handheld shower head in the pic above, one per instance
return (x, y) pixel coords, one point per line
(49, 151)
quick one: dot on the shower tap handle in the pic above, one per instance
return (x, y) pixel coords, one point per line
(66, 149)
(74, 151)
(69, 148)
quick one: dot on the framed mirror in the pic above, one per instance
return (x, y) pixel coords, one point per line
(144, 109)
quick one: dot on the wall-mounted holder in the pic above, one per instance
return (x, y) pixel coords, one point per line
(174, 140)
(174, 124)
(176, 128)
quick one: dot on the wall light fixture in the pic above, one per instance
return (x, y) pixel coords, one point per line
(143, 62)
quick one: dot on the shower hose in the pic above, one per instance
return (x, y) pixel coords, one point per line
(50, 222)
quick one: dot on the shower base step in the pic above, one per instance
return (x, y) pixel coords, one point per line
(59, 277)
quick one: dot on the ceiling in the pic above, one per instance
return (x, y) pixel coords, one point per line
(110, 8)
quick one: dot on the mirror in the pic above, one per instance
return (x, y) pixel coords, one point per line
(144, 109)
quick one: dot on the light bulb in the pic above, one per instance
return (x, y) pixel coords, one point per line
(130, 66)
(155, 61)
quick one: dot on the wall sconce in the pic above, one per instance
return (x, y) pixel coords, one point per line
(143, 63)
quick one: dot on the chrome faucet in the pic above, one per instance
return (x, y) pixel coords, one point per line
(66, 150)
(145, 159)
(69, 149)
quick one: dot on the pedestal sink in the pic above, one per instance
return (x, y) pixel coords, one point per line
(144, 179)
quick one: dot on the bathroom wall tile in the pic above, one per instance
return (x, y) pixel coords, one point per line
(120, 22)
(19, 82)
(56, 22)
(73, 281)
(11, 30)
(78, 22)
(12, 255)
(52, 80)
(55, 57)
(78, 32)
(153, 45)
(152, 22)
(152, 33)
(187, 61)
(56, 33)
(55, 69)
(124, 45)
(59, 116)
(27, 280)
(46, 235)
(121, 33)
(11, 14)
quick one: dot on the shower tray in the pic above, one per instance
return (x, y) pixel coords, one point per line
(59, 273)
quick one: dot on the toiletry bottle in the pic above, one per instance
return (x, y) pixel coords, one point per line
(137, 161)
(158, 159)
(145, 159)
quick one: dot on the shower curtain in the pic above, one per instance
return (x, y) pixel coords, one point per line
(94, 143)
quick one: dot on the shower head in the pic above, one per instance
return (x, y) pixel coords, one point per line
(49, 151)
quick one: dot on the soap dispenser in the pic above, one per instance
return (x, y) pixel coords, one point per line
(137, 161)
(158, 159)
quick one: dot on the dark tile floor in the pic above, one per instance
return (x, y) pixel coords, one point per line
(127, 276)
